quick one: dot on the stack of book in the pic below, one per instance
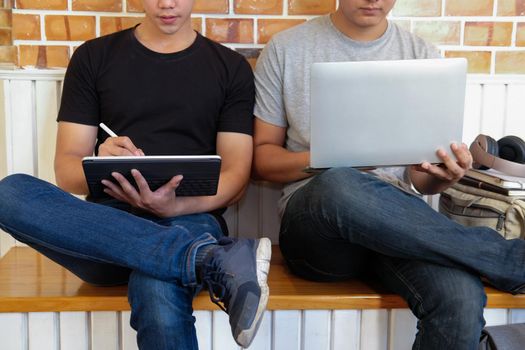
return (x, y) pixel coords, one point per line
(495, 181)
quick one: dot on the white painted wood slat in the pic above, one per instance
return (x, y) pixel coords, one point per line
(104, 327)
(286, 333)
(316, 330)
(493, 110)
(346, 329)
(374, 330)
(43, 330)
(46, 128)
(128, 334)
(74, 331)
(13, 331)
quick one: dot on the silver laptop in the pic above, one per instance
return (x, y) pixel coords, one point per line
(385, 113)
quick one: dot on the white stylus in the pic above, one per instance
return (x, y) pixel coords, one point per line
(108, 130)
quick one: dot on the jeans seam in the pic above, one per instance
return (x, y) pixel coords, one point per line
(55, 248)
(409, 286)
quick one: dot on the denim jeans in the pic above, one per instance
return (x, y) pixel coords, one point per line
(107, 246)
(346, 224)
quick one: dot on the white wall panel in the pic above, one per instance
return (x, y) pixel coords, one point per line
(128, 334)
(46, 128)
(493, 110)
(346, 329)
(472, 116)
(203, 325)
(74, 331)
(374, 330)
(517, 316)
(13, 331)
(248, 216)
(316, 330)
(22, 126)
(287, 330)
(104, 327)
(515, 124)
(222, 338)
(496, 317)
(263, 339)
(402, 329)
(269, 216)
(43, 330)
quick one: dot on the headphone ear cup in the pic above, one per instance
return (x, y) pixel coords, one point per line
(492, 148)
(512, 148)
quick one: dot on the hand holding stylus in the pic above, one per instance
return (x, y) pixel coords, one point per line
(117, 145)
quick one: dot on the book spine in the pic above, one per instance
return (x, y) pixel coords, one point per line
(483, 185)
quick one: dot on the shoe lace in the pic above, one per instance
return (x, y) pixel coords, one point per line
(216, 280)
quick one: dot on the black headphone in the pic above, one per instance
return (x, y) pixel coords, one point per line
(506, 155)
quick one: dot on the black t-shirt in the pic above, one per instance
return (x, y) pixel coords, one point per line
(168, 104)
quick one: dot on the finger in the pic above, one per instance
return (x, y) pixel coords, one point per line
(171, 185)
(126, 145)
(463, 155)
(439, 172)
(111, 147)
(448, 162)
(115, 195)
(128, 190)
(141, 182)
(114, 190)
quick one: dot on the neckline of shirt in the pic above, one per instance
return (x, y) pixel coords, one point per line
(137, 45)
(349, 40)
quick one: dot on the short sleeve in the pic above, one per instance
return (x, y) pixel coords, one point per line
(269, 104)
(80, 102)
(237, 111)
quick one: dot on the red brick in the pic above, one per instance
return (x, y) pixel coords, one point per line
(41, 4)
(417, 8)
(310, 7)
(97, 5)
(44, 56)
(478, 61)
(488, 33)
(74, 28)
(511, 8)
(211, 6)
(230, 30)
(26, 27)
(469, 8)
(266, 7)
(510, 62)
(268, 27)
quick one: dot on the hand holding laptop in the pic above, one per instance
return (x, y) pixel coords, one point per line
(450, 169)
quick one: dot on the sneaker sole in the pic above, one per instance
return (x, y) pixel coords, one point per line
(263, 256)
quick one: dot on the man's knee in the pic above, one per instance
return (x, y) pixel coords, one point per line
(458, 310)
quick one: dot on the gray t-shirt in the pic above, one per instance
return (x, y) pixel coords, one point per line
(282, 79)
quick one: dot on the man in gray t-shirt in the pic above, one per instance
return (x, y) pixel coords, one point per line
(343, 223)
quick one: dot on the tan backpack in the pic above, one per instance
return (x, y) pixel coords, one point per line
(471, 206)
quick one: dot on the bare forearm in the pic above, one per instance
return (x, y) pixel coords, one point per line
(70, 175)
(230, 190)
(277, 164)
(426, 183)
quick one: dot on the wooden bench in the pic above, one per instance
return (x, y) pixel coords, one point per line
(29, 282)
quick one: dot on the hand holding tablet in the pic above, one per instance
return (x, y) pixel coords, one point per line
(201, 173)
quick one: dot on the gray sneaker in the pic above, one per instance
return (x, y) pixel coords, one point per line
(235, 273)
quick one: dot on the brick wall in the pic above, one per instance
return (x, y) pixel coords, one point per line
(490, 33)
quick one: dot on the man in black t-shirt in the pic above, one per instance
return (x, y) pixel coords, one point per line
(166, 90)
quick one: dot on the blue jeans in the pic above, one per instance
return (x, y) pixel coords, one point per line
(346, 224)
(107, 246)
